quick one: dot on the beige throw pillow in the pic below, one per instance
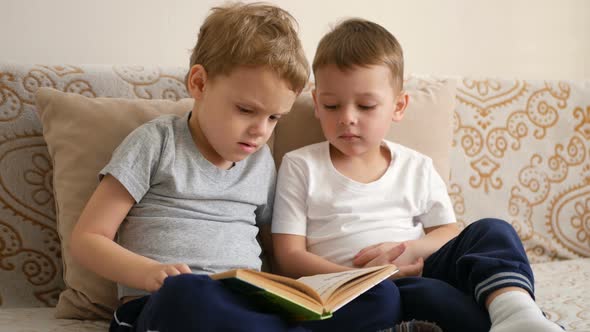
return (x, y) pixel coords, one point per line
(81, 133)
(426, 127)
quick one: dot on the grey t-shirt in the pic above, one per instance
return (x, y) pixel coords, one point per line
(188, 210)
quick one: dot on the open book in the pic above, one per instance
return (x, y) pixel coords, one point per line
(307, 298)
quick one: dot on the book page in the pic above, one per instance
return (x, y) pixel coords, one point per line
(326, 284)
(353, 288)
(292, 283)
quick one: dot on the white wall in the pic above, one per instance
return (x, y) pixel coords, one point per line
(544, 39)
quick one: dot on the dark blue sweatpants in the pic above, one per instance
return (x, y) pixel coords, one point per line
(486, 256)
(197, 303)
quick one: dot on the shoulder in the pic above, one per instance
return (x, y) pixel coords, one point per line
(159, 127)
(150, 137)
(166, 123)
(405, 155)
(307, 154)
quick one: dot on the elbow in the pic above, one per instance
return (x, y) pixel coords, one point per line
(78, 245)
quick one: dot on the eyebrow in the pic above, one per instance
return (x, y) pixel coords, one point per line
(369, 94)
(255, 106)
(364, 94)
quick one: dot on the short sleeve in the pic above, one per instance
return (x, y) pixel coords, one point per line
(289, 216)
(135, 161)
(437, 206)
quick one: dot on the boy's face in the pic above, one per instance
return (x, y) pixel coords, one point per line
(236, 113)
(356, 107)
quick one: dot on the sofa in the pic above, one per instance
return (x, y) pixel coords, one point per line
(513, 149)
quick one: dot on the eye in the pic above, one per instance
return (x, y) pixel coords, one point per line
(274, 117)
(331, 107)
(367, 107)
(244, 110)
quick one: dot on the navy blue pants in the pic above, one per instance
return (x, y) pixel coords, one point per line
(196, 303)
(486, 256)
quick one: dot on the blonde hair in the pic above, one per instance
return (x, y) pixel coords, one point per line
(358, 42)
(254, 34)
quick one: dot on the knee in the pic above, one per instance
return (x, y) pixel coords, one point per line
(492, 225)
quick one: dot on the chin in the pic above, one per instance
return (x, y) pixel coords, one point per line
(239, 157)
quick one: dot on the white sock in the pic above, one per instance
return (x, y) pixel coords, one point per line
(517, 312)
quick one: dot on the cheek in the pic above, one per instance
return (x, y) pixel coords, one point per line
(328, 125)
(330, 119)
(272, 128)
(379, 126)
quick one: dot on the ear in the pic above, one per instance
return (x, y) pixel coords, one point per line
(196, 81)
(315, 103)
(400, 106)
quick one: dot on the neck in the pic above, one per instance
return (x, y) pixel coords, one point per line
(202, 143)
(364, 168)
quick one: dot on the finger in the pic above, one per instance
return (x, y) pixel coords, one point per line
(382, 259)
(420, 266)
(160, 278)
(183, 268)
(362, 251)
(364, 258)
(414, 269)
(367, 256)
(409, 271)
(172, 271)
(395, 252)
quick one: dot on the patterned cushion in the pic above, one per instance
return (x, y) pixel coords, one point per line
(521, 153)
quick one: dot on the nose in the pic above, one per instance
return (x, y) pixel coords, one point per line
(348, 116)
(259, 128)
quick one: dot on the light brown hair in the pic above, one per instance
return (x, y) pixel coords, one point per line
(254, 34)
(358, 42)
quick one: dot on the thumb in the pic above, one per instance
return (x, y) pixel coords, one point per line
(414, 269)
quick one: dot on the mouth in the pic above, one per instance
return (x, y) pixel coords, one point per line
(254, 145)
(349, 137)
(248, 146)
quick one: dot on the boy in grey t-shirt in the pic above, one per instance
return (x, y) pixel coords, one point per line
(189, 210)
(187, 195)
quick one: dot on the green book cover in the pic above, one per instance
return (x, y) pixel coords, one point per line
(272, 302)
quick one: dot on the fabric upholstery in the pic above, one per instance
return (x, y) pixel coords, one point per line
(520, 151)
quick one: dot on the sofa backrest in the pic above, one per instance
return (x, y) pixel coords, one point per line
(519, 152)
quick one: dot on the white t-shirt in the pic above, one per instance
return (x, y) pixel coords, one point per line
(340, 216)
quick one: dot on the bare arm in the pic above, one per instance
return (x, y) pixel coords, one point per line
(293, 259)
(410, 261)
(435, 238)
(92, 241)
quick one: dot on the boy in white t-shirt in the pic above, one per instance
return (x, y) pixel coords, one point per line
(359, 200)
